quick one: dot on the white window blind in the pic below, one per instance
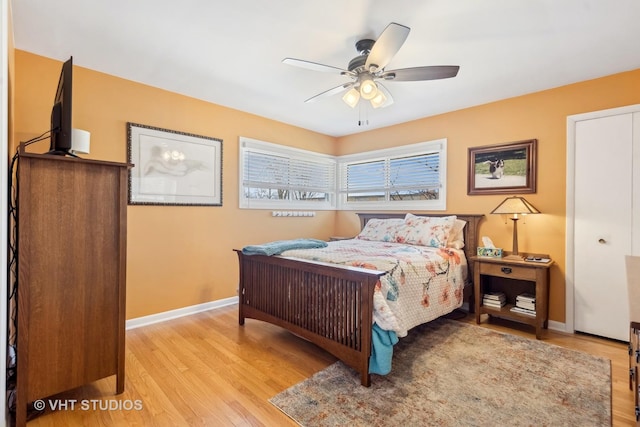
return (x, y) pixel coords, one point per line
(409, 176)
(278, 176)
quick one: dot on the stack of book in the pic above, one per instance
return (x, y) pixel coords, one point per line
(525, 304)
(494, 300)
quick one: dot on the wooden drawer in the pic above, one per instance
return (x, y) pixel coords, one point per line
(508, 271)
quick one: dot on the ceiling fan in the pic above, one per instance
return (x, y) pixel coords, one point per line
(367, 70)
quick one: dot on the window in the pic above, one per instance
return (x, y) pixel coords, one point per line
(278, 177)
(407, 177)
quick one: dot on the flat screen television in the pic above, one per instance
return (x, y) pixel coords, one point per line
(61, 112)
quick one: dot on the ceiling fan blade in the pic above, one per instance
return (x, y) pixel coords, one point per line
(433, 72)
(387, 45)
(316, 67)
(332, 91)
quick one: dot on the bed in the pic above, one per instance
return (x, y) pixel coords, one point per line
(334, 305)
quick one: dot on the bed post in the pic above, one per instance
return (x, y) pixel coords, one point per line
(240, 290)
(367, 333)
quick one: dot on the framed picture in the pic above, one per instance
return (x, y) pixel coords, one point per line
(173, 168)
(502, 169)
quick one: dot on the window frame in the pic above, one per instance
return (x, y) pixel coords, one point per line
(269, 148)
(436, 146)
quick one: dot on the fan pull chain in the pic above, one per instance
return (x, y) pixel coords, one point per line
(361, 121)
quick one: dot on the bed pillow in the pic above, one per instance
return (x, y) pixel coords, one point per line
(426, 230)
(456, 235)
(381, 230)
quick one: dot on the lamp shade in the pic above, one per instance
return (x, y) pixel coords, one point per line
(515, 205)
(351, 97)
(379, 100)
(368, 88)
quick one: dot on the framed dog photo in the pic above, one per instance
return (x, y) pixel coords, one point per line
(502, 169)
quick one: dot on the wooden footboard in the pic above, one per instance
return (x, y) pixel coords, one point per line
(330, 305)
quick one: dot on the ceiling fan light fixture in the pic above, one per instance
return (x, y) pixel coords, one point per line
(351, 98)
(368, 69)
(368, 88)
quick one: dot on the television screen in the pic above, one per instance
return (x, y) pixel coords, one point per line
(61, 112)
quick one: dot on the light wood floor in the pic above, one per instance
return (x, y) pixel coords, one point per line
(206, 370)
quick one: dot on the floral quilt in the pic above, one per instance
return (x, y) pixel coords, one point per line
(422, 283)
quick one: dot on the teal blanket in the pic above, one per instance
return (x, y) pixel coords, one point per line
(279, 246)
(381, 350)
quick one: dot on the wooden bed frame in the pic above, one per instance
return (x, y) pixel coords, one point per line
(327, 304)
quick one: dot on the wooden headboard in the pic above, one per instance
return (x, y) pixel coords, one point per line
(471, 229)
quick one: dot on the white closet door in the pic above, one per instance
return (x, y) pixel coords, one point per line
(635, 192)
(603, 221)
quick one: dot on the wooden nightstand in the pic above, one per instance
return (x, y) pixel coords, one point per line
(513, 278)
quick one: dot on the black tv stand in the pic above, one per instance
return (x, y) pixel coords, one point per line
(61, 153)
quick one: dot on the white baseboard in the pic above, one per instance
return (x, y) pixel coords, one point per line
(179, 312)
(558, 326)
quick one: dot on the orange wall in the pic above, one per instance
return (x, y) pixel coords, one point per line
(181, 256)
(176, 256)
(541, 115)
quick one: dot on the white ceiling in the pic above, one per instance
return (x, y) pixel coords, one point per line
(230, 52)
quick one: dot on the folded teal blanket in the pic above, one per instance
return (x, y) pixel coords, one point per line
(279, 246)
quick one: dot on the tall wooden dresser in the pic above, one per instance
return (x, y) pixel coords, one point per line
(71, 253)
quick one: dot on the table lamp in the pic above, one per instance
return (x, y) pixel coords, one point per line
(515, 206)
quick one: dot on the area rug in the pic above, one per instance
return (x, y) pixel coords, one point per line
(448, 373)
